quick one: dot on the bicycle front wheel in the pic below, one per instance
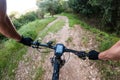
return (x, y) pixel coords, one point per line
(56, 68)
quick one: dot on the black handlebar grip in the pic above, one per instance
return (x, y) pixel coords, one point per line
(26, 41)
(93, 55)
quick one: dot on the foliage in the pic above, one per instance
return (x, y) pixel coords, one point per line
(2, 38)
(104, 10)
(51, 6)
(40, 13)
(81, 7)
(65, 6)
(24, 19)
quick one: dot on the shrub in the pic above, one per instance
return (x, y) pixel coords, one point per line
(24, 19)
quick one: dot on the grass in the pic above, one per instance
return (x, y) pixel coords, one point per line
(69, 40)
(11, 52)
(54, 28)
(39, 73)
(109, 69)
(85, 40)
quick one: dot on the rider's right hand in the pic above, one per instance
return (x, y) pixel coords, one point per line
(93, 55)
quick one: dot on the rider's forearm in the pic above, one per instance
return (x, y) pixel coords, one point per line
(111, 54)
(8, 30)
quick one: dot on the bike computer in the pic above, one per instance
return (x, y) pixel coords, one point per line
(59, 50)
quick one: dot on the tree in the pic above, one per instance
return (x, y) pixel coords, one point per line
(81, 7)
(51, 6)
(13, 15)
(65, 6)
(40, 13)
(106, 10)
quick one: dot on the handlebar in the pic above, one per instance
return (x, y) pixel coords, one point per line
(37, 44)
(60, 49)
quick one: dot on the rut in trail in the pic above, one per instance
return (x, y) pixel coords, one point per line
(75, 68)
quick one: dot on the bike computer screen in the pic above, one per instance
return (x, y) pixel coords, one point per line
(59, 50)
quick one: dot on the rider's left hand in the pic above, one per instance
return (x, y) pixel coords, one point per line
(26, 41)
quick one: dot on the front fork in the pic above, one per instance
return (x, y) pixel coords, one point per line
(60, 61)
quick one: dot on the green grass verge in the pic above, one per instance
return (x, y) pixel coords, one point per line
(54, 28)
(109, 69)
(39, 73)
(11, 52)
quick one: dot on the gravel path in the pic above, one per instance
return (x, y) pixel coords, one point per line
(75, 69)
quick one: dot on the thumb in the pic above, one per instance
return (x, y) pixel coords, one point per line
(103, 55)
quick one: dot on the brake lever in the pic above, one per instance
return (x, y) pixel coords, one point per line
(50, 43)
(35, 44)
(82, 55)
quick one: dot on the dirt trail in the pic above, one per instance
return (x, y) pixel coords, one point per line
(75, 69)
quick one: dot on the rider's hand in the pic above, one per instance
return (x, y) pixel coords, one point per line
(93, 55)
(111, 54)
(26, 41)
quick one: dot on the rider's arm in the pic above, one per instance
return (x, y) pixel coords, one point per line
(111, 54)
(6, 26)
(8, 30)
